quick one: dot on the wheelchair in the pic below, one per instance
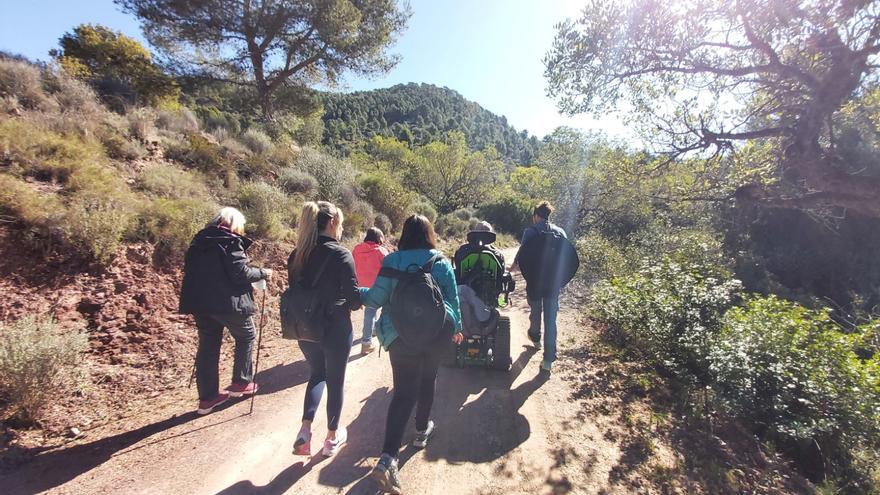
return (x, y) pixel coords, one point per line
(485, 344)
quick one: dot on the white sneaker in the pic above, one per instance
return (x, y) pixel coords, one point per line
(422, 437)
(367, 347)
(331, 447)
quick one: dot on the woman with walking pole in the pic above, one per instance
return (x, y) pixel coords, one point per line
(217, 291)
(324, 264)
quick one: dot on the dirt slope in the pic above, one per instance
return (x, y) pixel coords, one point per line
(522, 432)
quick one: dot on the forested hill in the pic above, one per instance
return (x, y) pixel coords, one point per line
(420, 113)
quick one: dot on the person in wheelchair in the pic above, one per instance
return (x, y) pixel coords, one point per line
(481, 278)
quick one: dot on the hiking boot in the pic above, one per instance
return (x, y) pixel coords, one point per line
(207, 406)
(366, 347)
(303, 443)
(546, 365)
(422, 437)
(239, 389)
(331, 447)
(385, 475)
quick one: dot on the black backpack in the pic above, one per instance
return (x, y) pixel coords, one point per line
(417, 309)
(548, 261)
(303, 315)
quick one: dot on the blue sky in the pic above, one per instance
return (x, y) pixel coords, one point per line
(488, 50)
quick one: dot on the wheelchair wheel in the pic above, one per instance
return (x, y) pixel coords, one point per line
(502, 345)
(449, 359)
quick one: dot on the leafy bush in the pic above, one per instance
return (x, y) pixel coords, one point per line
(43, 213)
(36, 363)
(601, 258)
(669, 311)
(22, 81)
(295, 181)
(172, 223)
(270, 213)
(119, 147)
(791, 372)
(358, 218)
(509, 212)
(424, 208)
(171, 182)
(383, 223)
(450, 226)
(142, 123)
(197, 152)
(96, 224)
(330, 172)
(257, 141)
(45, 155)
(387, 195)
(181, 121)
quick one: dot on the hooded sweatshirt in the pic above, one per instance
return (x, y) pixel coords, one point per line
(216, 275)
(368, 261)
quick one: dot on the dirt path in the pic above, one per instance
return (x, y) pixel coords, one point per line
(498, 433)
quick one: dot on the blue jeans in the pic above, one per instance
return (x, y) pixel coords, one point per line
(549, 305)
(370, 317)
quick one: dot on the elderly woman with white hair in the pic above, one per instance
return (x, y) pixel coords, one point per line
(217, 291)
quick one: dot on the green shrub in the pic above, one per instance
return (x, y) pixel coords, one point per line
(257, 141)
(96, 224)
(172, 223)
(509, 213)
(180, 121)
(42, 212)
(383, 223)
(270, 213)
(601, 258)
(168, 181)
(119, 147)
(294, 181)
(669, 311)
(22, 81)
(37, 362)
(358, 218)
(387, 195)
(791, 372)
(43, 154)
(330, 172)
(142, 123)
(424, 208)
(197, 152)
(452, 226)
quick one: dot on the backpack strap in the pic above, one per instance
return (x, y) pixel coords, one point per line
(320, 272)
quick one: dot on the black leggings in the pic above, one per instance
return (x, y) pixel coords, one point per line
(414, 377)
(327, 362)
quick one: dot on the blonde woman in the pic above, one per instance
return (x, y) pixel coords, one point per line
(320, 260)
(217, 291)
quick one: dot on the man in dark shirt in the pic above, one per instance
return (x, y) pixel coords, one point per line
(547, 303)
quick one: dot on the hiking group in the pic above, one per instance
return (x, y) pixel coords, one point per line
(415, 302)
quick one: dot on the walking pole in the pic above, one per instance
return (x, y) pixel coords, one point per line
(259, 341)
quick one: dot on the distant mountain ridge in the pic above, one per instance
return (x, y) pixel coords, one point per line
(420, 113)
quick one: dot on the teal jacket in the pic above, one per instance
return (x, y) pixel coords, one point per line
(379, 295)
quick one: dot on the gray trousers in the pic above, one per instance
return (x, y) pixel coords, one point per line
(208, 356)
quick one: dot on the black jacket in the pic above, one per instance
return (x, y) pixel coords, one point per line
(216, 275)
(337, 286)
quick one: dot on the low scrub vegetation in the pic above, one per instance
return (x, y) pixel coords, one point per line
(37, 363)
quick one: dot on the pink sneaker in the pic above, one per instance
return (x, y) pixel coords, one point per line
(206, 406)
(239, 389)
(303, 443)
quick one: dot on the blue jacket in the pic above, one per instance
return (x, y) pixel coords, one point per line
(379, 295)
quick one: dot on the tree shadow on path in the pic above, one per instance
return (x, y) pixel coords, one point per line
(477, 412)
(53, 468)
